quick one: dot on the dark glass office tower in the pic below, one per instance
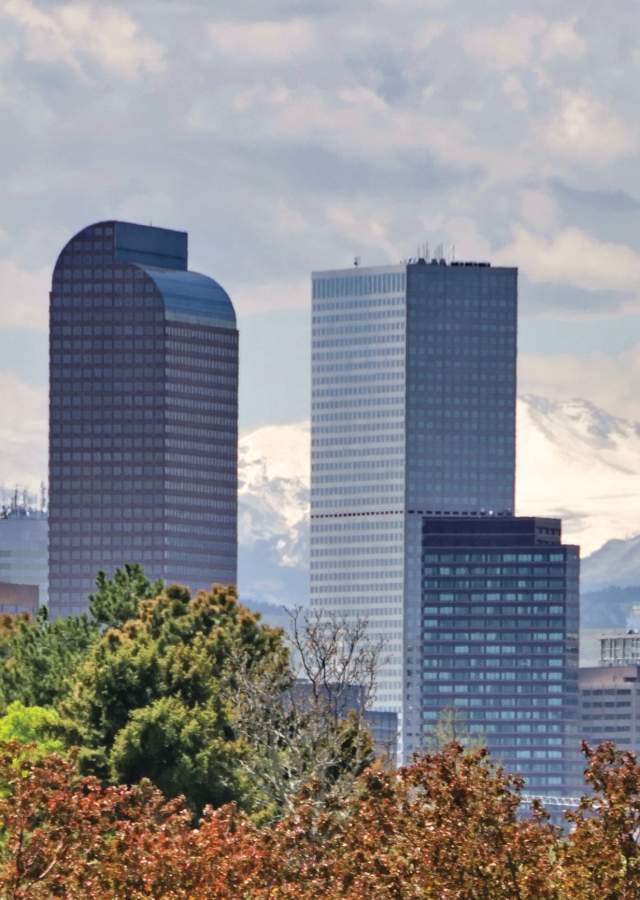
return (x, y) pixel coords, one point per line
(413, 412)
(143, 414)
(500, 616)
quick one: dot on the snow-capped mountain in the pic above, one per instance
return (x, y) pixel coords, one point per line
(575, 461)
(579, 463)
(273, 509)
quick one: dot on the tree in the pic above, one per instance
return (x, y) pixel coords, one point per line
(117, 599)
(448, 827)
(451, 727)
(69, 836)
(41, 656)
(33, 725)
(602, 857)
(153, 697)
(445, 827)
(305, 721)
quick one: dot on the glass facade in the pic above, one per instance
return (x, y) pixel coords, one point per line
(23, 551)
(500, 608)
(413, 411)
(143, 414)
(358, 455)
(461, 387)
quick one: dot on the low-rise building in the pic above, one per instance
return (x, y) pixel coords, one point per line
(24, 549)
(17, 599)
(610, 693)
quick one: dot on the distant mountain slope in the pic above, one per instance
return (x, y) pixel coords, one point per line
(617, 562)
(574, 461)
(608, 607)
(577, 462)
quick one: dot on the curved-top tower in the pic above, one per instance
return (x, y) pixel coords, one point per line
(143, 414)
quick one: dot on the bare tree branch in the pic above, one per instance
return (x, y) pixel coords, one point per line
(305, 724)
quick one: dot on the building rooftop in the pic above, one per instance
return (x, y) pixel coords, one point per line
(162, 254)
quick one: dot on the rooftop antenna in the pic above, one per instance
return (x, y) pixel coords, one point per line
(453, 253)
(356, 261)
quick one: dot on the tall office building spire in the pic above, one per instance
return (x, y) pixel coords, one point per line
(413, 413)
(143, 414)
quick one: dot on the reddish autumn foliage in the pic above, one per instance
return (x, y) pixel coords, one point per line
(602, 857)
(67, 836)
(445, 828)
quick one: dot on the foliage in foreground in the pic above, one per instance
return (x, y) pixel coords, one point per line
(150, 698)
(445, 828)
(193, 693)
(39, 658)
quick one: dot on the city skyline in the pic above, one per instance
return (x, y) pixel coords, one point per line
(320, 468)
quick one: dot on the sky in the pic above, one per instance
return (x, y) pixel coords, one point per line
(287, 136)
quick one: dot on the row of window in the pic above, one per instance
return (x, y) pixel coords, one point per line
(491, 556)
(358, 285)
(353, 342)
(110, 323)
(202, 349)
(364, 306)
(360, 315)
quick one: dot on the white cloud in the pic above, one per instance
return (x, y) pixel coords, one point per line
(573, 257)
(611, 381)
(506, 46)
(539, 210)
(263, 42)
(584, 130)
(74, 33)
(25, 296)
(562, 39)
(23, 433)
(523, 41)
(272, 296)
(515, 91)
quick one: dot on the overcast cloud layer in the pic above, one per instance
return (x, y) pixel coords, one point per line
(289, 136)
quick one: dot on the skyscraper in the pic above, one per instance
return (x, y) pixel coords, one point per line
(500, 616)
(413, 413)
(143, 414)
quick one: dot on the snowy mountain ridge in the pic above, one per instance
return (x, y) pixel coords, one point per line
(575, 461)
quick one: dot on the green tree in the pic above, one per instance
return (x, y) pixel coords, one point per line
(31, 725)
(41, 656)
(152, 697)
(117, 599)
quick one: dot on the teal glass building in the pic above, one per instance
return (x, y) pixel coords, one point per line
(143, 414)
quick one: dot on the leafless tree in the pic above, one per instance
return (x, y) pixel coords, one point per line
(304, 723)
